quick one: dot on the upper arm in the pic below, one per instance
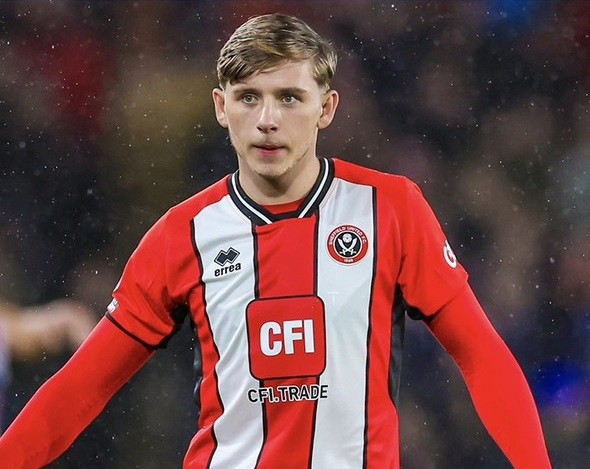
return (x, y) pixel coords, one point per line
(464, 330)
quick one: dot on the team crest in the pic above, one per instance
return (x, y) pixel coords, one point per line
(347, 244)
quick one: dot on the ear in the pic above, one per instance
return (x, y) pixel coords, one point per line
(219, 102)
(330, 103)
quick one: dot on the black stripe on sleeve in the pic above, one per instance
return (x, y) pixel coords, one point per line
(134, 337)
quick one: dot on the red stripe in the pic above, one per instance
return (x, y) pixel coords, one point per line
(203, 444)
(286, 263)
(382, 433)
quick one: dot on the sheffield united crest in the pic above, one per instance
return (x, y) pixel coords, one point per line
(347, 244)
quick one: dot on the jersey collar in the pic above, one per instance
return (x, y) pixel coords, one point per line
(260, 216)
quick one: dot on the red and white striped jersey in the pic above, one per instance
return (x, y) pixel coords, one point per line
(298, 315)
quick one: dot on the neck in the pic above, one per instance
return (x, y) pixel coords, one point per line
(290, 187)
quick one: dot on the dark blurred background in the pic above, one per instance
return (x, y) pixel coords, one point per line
(106, 120)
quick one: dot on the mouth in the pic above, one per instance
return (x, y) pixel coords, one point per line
(268, 150)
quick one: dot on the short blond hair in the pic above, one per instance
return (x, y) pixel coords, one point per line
(266, 41)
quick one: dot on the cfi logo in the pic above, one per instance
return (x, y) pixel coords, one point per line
(347, 244)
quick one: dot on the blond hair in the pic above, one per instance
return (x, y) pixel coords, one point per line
(266, 41)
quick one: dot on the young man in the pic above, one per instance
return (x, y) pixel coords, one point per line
(296, 271)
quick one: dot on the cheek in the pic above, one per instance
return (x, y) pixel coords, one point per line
(311, 128)
(306, 123)
(241, 121)
(235, 127)
(234, 137)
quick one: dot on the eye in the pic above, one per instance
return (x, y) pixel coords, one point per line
(248, 98)
(288, 99)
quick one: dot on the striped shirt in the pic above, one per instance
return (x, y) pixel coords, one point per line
(299, 315)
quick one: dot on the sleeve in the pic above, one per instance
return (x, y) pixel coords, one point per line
(430, 274)
(69, 401)
(496, 384)
(150, 301)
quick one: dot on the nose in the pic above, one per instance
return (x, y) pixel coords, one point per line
(268, 119)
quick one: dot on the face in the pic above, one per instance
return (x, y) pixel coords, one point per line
(273, 119)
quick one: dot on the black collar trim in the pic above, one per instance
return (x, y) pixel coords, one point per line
(260, 216)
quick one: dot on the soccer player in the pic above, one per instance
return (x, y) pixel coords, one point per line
(297, 271)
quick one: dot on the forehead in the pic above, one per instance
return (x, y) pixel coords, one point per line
(284, 75)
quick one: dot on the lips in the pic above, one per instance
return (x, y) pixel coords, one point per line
(268, 145)
(268, 150)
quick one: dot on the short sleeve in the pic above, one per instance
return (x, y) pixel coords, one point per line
(430, 274)
(147, 299)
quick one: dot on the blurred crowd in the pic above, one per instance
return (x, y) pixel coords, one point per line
(106, 120)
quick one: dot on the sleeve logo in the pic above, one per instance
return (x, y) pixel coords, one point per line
(449, 255)
(347, 244)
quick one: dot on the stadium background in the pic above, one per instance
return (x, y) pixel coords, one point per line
(106, 121)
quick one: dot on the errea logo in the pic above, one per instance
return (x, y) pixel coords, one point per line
(226, 260)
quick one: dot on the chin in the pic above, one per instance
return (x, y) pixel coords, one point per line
(272, 169)
(272, 174)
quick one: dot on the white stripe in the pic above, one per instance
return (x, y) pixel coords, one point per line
(218, 228)
(345, 290)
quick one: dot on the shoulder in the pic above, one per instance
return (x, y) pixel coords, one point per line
(395, 194)
(176, 222)
(393, 184)
(191, 207)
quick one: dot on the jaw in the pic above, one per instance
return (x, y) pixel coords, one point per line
(280, 180)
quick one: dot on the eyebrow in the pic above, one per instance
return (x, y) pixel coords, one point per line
(289, 90)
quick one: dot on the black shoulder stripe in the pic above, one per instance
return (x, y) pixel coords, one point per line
(134, 337)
